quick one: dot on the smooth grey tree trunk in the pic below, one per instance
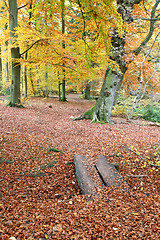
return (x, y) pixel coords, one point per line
(87, 91)
(6, 64)
(63, 90)
(0, 68)
(25, 79)
(59, 90)
(104, 104)
(26, 56)
(31, 80)
(15, 56)
(46, 80)
(63, 46)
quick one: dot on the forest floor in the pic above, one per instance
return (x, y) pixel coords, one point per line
(39, 193)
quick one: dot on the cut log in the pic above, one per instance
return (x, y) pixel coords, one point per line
(85, 181)
(108, 173)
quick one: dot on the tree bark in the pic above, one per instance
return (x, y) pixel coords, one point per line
(26, 56)
(6, 65)
(0, 69)
(63, 46)
(104, 104)
(32, 83)
(15, 79)
(59, 90)
(87, 91)
(63, 90)
(15, 56)
(25, 79)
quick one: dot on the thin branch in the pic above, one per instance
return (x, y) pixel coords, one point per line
(84, 27)
(145, 7)
(84, 22)
(36, 43)
(139, 96)
(148, 53)
(6, 5)
(153, 165)
(23, 5)
(147, 19)
(149, 81)
(30, 47)
(149, 35)
(136, 176)
(158, 15)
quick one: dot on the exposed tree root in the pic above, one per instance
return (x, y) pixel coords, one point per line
(86, 115)
(18, 105)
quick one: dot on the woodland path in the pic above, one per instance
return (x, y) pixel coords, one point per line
(39, 193)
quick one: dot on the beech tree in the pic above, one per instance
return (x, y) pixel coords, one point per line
(114, 76)
(15, 55)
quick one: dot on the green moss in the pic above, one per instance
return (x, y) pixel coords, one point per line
(6, 161)
(15, 105)
(89, 113)
(50, 164)
(54, 150)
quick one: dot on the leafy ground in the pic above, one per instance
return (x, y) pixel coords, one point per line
(39, 194)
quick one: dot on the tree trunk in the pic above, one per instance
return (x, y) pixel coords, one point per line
(104, 104)
(15, 56)
(6, 64)
(25, 79)
(103, 107)
(32, 83)
(63, 90)
(87, 91)
(59, 90)
(0, 69)
(15, 79)
(46, 80)
(63, 46)
(26, 56)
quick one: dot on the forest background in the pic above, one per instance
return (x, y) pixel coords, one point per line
(50, 49)
(64, 46)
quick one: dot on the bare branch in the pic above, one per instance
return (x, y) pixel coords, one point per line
(6, 5)
(153, 165)
(30, 47)
(139, 96)
(147, 19)
(23, 6)
(136, 176)
(149, 35)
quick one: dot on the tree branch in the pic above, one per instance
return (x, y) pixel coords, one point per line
(34, 44)
(136, 176)
(84, 25)
(137, 51)
(139, 96)
(6, 5)
(30, 47)
(147, 19)
(23, 5)
(153, 165)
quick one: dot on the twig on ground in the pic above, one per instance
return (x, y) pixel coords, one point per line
(153, 165)
(136, 176)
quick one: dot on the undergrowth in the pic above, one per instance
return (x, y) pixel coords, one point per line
(146, 108)
(149, 112)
